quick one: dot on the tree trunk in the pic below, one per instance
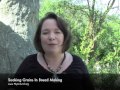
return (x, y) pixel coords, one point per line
(18, 22)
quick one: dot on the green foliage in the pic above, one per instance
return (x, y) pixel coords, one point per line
(97, 42)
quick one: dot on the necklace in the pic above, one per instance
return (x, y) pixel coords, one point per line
(54, 72)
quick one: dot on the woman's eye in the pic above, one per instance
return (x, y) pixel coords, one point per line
(57, 32)
(45, 33)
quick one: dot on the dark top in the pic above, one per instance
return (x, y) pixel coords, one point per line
(75, 76)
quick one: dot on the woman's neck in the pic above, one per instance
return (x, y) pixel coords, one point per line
(54, 57)
(53, 60)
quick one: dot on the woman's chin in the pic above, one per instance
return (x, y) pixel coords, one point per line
(52, 52)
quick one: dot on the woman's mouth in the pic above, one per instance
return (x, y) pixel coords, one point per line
(52, 44)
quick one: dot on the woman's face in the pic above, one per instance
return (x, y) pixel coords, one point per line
(52, 37)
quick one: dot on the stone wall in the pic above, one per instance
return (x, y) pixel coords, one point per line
(18, 21)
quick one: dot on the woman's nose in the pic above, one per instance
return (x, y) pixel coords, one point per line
(51, 36)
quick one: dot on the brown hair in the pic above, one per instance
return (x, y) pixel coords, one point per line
(63, 27)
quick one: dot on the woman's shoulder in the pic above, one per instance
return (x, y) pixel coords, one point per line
(29, 58)
(78, 62)
(74, 57)
(77, 59)
(26, 63)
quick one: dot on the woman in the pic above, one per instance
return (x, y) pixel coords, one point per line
(53, 66)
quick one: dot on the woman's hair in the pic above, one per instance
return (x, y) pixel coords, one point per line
(62, 25)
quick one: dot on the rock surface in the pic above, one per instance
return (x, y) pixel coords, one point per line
(18, 22)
